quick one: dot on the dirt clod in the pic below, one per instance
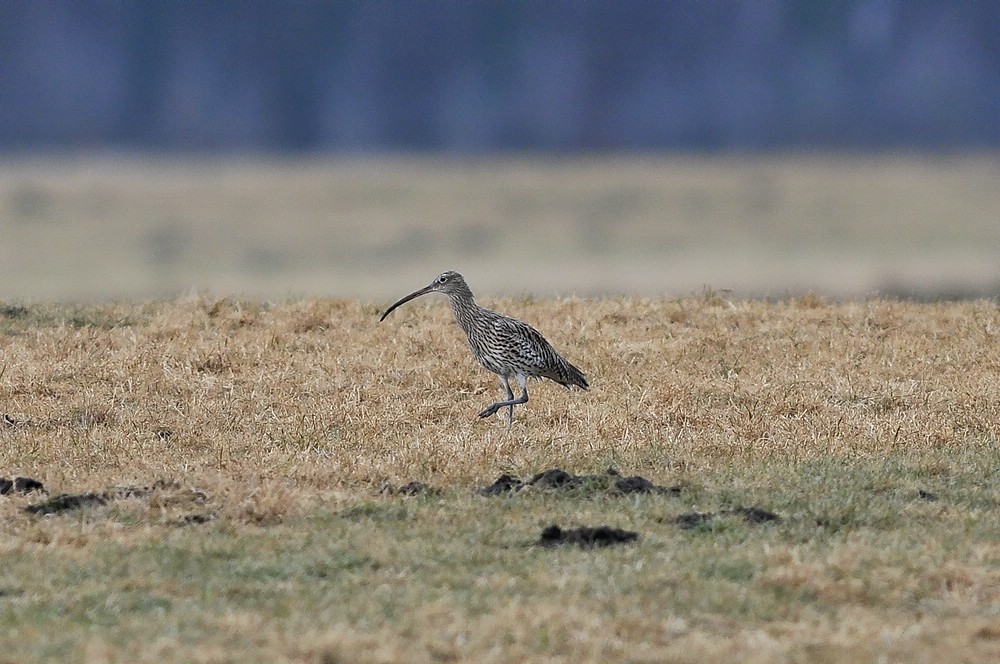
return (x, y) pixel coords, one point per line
(65, 502)
(556, 478)
(586, 538)
(504, 484)
(611, 482)
(19, 485)
(639, 484)
(693, 519)
(753, 515)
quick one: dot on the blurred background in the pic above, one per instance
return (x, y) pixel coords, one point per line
(276, 149)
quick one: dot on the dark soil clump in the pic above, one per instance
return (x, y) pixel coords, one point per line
(504, 484)
(556, 478)
(752, 515)
(693, 519)
(586, 538)
(639, 484)
(611, 482)
(19, 485)
(66, 502)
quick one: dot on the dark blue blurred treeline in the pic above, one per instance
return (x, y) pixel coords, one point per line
(478, 75)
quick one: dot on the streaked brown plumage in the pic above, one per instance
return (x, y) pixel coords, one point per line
(504, 345)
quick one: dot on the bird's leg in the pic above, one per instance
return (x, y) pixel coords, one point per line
(510, 402)
(510, 397)
(500, 404)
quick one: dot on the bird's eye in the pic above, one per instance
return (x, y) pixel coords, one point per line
(443, 278)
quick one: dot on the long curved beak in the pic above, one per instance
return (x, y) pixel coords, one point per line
(423, 291)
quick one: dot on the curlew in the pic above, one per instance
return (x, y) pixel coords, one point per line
(504, 345)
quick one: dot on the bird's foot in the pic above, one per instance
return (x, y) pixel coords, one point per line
(490, 410)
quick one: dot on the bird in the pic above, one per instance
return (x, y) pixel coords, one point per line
(510, 348)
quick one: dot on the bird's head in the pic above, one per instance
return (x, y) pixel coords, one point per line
(450, 283)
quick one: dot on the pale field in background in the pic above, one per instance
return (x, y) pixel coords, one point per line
(91, 228)
(871, 428)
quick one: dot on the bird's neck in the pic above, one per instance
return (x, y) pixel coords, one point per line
(466, 310)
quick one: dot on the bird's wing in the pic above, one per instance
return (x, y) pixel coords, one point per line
(525, 344)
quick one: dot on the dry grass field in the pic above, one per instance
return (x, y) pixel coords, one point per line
(229, 457)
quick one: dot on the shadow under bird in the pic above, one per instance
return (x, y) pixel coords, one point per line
(504, 345)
